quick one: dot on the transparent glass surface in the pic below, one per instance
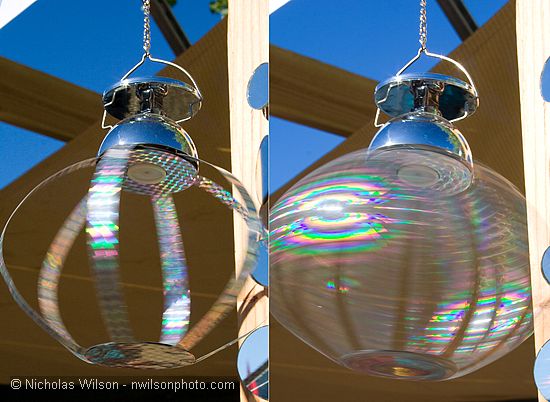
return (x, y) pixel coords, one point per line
(401, 280)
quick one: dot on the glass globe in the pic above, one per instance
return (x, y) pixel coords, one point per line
(385, 272)
(146, 153)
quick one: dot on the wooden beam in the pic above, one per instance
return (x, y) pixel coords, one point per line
(45, 104)
(210, 262)
(318, 95)
(460, 18)
(247, 48)
(494, 131)
(48, 105)
(533, 47)
(169, 26)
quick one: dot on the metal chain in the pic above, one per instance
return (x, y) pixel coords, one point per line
(146, 27)
(423, 30)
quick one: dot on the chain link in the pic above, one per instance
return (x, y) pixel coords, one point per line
(146, 26)
(423, 29)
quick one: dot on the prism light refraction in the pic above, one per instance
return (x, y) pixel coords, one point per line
(398, 280)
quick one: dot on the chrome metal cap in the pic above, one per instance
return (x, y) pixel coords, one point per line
(172, 98)
(424, 130)
(150, 130)
(424, 152)
(448, 96)
(150, 109)
(422, 107)
(159, 148)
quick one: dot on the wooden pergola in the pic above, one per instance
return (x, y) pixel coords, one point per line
(228, 132)
(495, 136)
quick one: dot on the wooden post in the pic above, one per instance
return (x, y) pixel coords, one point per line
(247, 48)
(533, 43)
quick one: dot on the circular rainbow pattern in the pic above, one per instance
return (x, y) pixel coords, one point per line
(331, 215)
(363, 265)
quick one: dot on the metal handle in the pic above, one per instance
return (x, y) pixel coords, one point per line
(411, 62)
(139, 64)
(440, 57)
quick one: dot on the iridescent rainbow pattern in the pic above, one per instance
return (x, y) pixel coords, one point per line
(440, 276)
(330, 217)
(102, 230)
(177, 302)
(341, 284)
(180, 173)
(495, 311)
(52, 265)
(444, 325)
(101, 214)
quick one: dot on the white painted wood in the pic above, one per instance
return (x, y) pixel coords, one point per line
(533, 47)
(9, 9)
(247, 48)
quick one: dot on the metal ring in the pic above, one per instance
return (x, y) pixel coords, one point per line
(225, 303)
(68, 343)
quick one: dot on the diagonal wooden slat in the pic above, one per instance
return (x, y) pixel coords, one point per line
(316, 94)
(207, 233)
(51, 106)
(45, 104)
(533, 46)
(494, 133)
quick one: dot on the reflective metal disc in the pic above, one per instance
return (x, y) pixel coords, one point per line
(545, 81)
(546, 265)
(261, 273)
(395, 96)
(542, 370)
(258, 87)
(141, 355)
(172, 98)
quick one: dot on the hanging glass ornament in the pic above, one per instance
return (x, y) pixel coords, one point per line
(406, 260)
(147, 153)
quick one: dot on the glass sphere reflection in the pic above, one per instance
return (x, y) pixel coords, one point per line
(401, 280)
(443, 155)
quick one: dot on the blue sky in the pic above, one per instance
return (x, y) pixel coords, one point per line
(93, 43)
(89, 43)
(369, 38)
(255, 342)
